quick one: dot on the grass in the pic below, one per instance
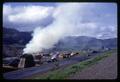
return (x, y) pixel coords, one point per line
(72, 69)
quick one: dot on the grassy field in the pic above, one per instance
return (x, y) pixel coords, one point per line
(72, 69)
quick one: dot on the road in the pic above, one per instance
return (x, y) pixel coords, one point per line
(26, 72)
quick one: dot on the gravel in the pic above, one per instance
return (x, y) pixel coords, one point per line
(104, 69)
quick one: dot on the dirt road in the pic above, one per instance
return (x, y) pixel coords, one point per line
(105, 69)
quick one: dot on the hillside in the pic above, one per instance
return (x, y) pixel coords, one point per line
(84, 42)
(12, 36)
(14, 41)
(108, 70)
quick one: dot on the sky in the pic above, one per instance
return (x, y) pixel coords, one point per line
(91, 19)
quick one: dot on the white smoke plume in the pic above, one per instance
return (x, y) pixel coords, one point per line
(61, 27)
(71, 19)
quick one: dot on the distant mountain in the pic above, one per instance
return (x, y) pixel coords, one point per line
(84, 42)
(14, 42)
(13, 36)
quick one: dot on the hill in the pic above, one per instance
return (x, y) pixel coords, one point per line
(14, 41)
(84, 42)
(13, 36)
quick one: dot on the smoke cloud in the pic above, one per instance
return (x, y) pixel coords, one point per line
(54, 21)
(60, 28)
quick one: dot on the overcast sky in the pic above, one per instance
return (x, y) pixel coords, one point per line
(94, 19)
